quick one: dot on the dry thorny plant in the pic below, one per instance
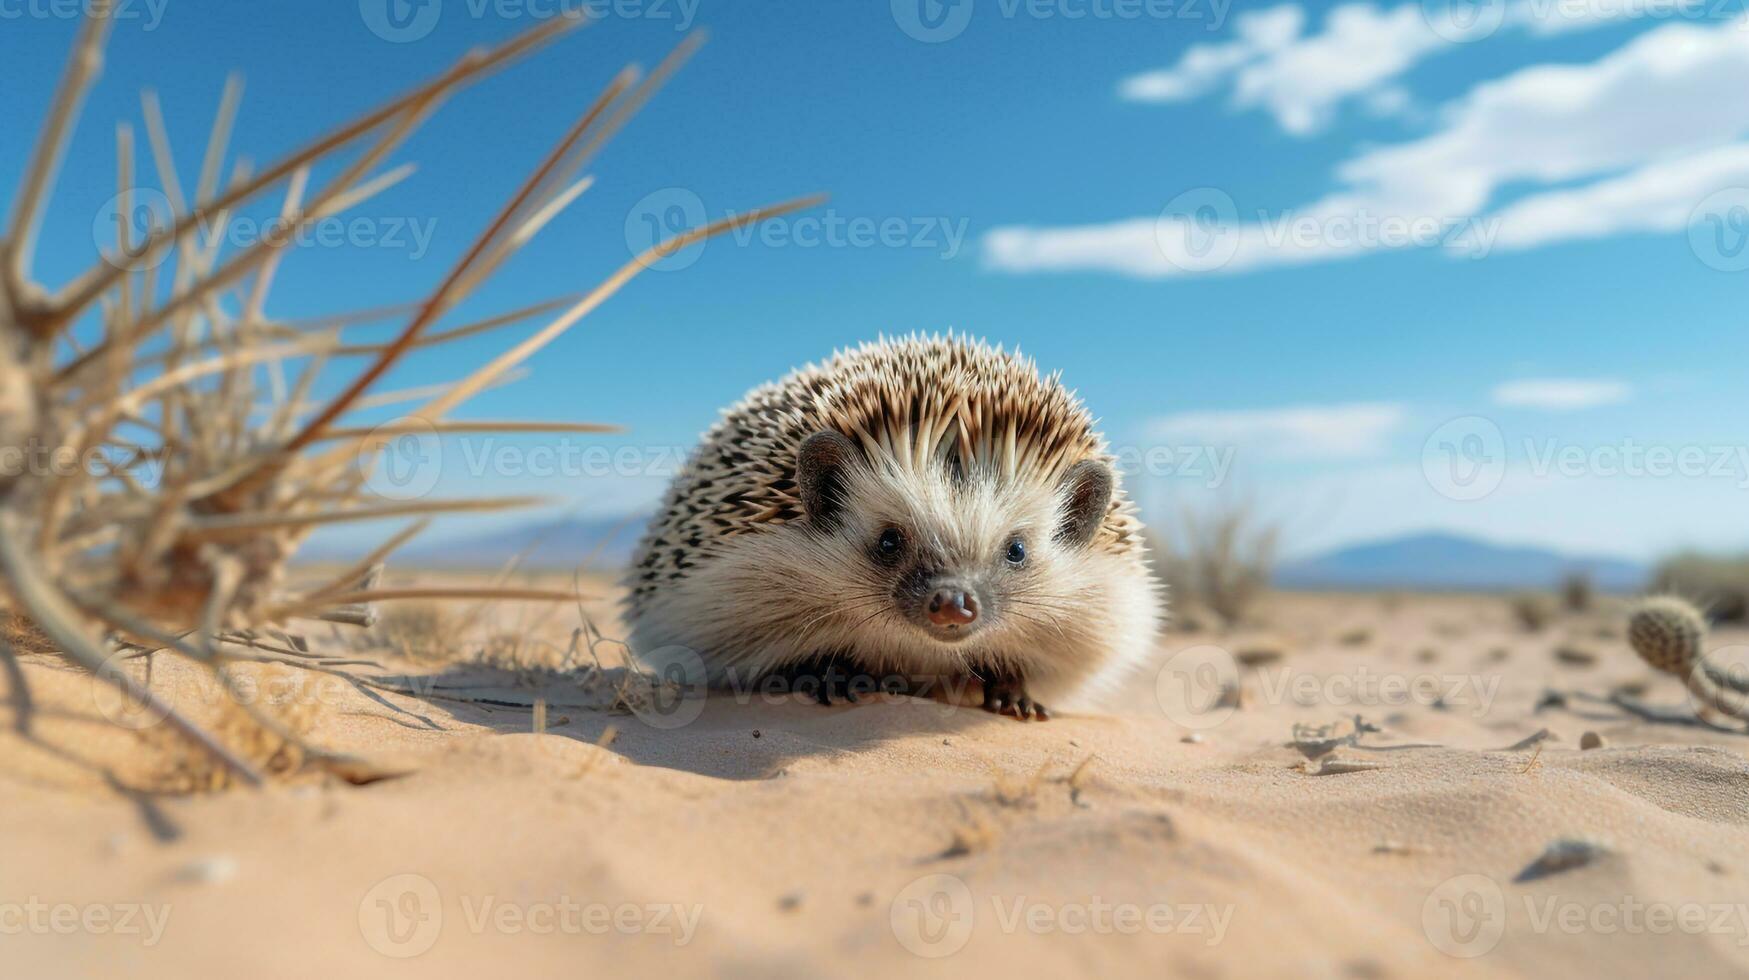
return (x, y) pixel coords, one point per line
(1222, 559)
(162, 359)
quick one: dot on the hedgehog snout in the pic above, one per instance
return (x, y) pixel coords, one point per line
(951, 606)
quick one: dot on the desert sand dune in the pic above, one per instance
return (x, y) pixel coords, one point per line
(903, 836)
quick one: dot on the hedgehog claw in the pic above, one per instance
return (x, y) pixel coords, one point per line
(1006, 695)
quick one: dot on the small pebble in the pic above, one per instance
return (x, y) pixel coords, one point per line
(1591, 740)
(1576, 656)
(1194, 738)
(790, 902)
(755, 733)
(1564, 854)
(1259, 656)
(208, 870)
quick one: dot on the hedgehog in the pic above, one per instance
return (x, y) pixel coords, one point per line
(913, 514)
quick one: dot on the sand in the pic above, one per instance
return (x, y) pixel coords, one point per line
(908, 837)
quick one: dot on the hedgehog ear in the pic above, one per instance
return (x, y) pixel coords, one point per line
(1087, 487)
(820, 474)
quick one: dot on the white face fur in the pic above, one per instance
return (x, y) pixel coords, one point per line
(856, 576)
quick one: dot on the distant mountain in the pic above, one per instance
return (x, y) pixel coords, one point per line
(549, 544)
(1453, 562)
(1431, 561)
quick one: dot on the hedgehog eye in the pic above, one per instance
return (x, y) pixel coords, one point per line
(891, 540)
(1016, 552)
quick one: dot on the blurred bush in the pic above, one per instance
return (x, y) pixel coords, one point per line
(1718, 584)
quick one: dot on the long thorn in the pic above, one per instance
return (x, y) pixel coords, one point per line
(39, 177)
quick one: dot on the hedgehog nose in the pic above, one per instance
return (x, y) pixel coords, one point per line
(953, 607)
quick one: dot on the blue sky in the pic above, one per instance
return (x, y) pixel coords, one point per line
(1162, 200)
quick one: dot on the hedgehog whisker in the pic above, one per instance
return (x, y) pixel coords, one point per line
(1052, 622)
(866, 620)
(843, 607)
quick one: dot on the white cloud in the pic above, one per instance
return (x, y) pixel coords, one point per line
(1659, 197)
(1561, 394)
(1205, 66)
(1544, 17)
(1297, 78)
(1654, 103)
(1302, 78)
(1299, 432)
(1360, 47)
(1392, 100)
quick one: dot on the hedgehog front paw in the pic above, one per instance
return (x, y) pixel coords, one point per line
(1005, 694)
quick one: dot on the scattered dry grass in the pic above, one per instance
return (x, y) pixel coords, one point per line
(23, 635)
(1221, 560)
(974, 834)
(426, 632)
(182, 768)
(1533, 611)
(1578, 594)
(1718, 584)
